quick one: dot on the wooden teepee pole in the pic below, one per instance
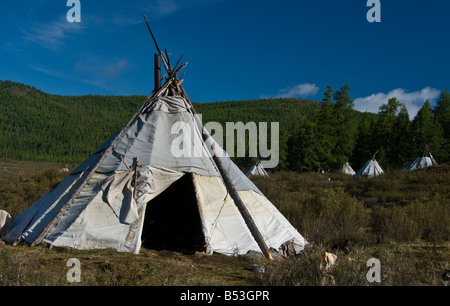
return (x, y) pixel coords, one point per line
(157, 74)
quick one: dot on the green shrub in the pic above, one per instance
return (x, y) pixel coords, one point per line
(304, 270)
(335, 216)
(18, 192)
(429, 221)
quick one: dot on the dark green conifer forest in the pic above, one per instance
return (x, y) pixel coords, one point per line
(313, 135)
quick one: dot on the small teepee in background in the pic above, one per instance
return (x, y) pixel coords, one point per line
(257, 169)
(425, 160)
(347, 169)
(370, 169)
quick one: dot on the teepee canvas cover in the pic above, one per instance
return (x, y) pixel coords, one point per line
(419, 163)
(257, 169)
(347, 169)
(424, 161)
(370, 169)
(133, 190)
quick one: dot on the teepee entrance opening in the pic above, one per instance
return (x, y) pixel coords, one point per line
(172, 219)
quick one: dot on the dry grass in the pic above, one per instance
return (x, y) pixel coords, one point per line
(40, 266)
(402, 219)
(400, 266)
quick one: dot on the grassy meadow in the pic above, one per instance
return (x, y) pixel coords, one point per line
(401, 219)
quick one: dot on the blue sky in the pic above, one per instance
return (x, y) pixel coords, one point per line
(237, 50)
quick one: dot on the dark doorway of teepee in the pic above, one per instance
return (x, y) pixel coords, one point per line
(172, 219)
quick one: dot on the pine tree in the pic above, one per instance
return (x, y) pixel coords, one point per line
(328, 95)
(426, 130)
(304, 149)
(325, 125)
(383, 131)
(283, 149)
(344, 126)
(402, 149)
(364, 144)
(442, 115)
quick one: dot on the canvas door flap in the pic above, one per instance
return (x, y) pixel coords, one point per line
(152, 181)
(118, 192)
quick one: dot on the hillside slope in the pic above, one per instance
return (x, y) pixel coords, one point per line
(38, 126)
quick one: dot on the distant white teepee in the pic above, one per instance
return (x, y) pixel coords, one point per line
(425, 160)
(257, 169)
(347, 169)
(370, 169)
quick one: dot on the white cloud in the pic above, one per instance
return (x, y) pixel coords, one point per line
(153, 9)
(110, 70)
(300, 90)
(54, 73)
(102, 74)
(412, 100)
(51, 35)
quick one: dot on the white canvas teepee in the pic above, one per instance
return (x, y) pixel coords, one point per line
(257, 169)
(347, 169)
(420, 163)
(425, 160)
(370, 169)
(135, 190)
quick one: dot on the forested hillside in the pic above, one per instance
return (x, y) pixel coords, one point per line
(288, 112)
(38, 126)
(43, 127)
